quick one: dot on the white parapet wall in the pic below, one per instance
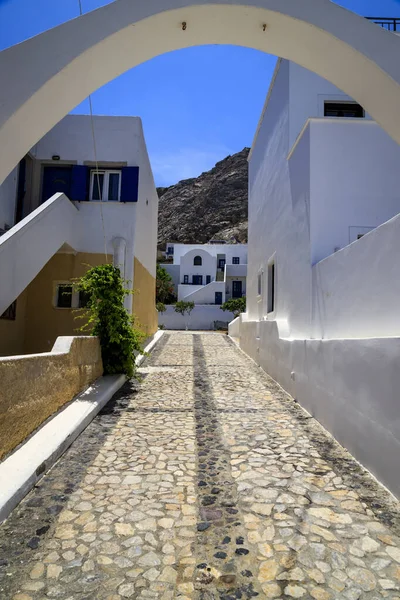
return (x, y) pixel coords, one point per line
(356, 291)
(351, 386)
(203, 316)
(234, 328)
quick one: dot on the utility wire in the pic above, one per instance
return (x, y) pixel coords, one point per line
(95, 161)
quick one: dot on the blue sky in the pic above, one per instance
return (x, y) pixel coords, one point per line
(198, 105)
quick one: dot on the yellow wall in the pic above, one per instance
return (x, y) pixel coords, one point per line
(45, 322)
(39, 322)
(144, 298)
(34, 387)
(12, 333)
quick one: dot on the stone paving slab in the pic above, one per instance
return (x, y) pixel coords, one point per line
(205, 481)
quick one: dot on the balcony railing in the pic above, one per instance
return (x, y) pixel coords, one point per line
(391, 24)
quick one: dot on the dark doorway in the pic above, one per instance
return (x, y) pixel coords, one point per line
(56, 179)
(218, 297)
(236, 289)
(197, 280)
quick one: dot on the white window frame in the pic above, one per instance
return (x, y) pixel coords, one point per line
(74, 296)
(106, 173)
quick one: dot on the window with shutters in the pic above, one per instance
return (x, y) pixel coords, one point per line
(105, 185)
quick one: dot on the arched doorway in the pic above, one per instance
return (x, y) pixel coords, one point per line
(43, 78)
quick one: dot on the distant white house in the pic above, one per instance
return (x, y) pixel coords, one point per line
(323, 286)
(208, 273)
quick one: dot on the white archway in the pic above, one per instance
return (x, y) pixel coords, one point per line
(45, 77)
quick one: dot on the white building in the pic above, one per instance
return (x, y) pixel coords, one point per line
(66, 206)
(323, 292)
(208, 273)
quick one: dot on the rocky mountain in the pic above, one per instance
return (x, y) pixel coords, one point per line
(211, 206)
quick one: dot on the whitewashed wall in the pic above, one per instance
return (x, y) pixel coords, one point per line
(350, 386)
(118, 139)
(307, 93)
(146, 210)
(355, 170)
(208, 266)
(204, 294)
(229, 250)
(202, 317)
(357, 290)
(279, 215)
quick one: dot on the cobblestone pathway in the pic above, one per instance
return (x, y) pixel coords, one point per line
(205, 482)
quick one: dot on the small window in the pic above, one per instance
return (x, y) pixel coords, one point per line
(259, 284)
(198, 261)
(360, 235)
(350, 110)
(83, 299)
(105, 185)
(271, 286)
(10, 314)
(236, 260)
(64, 296)
(208, 279)
(186, 279)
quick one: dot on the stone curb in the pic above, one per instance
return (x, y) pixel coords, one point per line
(21, 471)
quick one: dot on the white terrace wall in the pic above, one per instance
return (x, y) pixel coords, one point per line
(355, 168)
(203, 295)
(202, 317)
(350, 386)
(356, 291)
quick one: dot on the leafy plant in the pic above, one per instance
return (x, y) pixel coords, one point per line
(107, 318)
(235, 305)
(161, 308)
(164, 286)
(183, 308)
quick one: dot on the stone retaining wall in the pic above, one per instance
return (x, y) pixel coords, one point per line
(34, 386)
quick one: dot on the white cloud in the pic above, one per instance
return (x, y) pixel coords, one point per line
(171, 167)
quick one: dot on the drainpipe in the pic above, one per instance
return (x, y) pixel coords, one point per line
(119, 245)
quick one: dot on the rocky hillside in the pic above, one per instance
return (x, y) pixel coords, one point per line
(213, 205)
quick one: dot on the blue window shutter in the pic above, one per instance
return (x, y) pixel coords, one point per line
(130, 184)
(80, 183)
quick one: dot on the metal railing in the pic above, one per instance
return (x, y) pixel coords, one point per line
(390, 23)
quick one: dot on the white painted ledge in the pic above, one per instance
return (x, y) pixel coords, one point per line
(20, 471)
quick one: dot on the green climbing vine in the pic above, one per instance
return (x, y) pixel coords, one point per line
(106, 317)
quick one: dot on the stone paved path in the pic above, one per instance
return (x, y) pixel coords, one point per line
(205, 481)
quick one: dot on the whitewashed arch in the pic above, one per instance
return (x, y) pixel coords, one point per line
(43, 78)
